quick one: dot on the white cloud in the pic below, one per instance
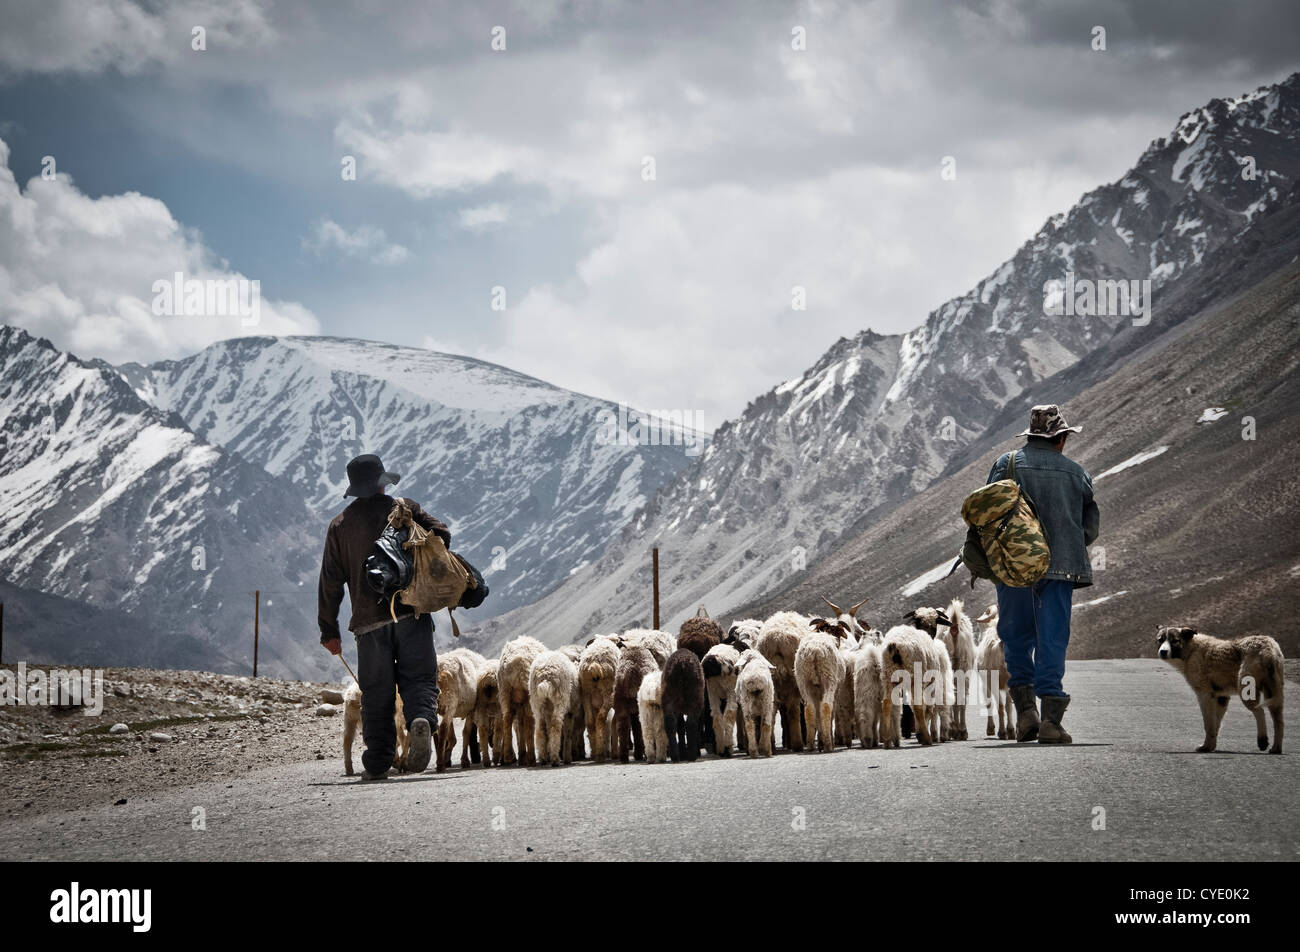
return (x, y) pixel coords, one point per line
(366, 242)
(76, 36)
(481, 217)
(81, 272)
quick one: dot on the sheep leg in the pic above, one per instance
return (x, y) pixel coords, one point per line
(751, 725)
(638, 741)
(923, 717)
(470, 730)
(566, 739)
(507, 736)
(794, 717)
(539, 736)
(765, 735)
(466, 730)
(351, 720)
(670, 728)
(1274, 705)
(693, 737)
(528, 719)
(621, 739)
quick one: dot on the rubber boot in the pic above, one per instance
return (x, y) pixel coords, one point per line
(1051, 731)
(1026, 713)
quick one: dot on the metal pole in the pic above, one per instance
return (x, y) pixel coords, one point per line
(656, 584)
(257, 616)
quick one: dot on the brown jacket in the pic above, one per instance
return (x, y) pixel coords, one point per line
(348, 543)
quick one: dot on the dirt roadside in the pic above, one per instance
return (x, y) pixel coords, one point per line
(182, 726)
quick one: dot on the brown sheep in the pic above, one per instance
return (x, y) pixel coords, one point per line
(699, 635)
(487, 715)
(596, 684)
(634, 663)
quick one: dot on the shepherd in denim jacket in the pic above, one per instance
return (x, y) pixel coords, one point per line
(1034, 622)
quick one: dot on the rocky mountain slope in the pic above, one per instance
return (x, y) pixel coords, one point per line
(879, 418)
(1198, 520)
(524, 472)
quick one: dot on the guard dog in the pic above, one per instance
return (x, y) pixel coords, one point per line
(1217, 668)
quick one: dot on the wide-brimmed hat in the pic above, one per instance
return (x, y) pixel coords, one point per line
(1046, 421)
(367, 477)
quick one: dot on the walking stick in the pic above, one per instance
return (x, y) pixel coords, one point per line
(349, 667)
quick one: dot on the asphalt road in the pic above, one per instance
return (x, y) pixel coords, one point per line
(1135, 724)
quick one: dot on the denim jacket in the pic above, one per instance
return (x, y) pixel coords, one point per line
(1062, 493)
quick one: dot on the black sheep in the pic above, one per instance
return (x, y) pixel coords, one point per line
(683, 704)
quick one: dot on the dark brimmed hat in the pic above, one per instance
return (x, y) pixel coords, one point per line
(367, 477)
(1046, 421)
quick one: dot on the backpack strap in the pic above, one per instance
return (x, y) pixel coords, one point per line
(1011, 467)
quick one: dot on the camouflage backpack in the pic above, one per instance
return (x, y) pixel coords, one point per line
(1006, 542)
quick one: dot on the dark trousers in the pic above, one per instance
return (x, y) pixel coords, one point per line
(1034, 625)
(400, 656)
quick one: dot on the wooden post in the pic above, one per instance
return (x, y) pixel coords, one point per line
(656, 586)
(2, 631)
(257, 614)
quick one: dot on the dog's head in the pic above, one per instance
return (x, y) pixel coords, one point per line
(1173, 642)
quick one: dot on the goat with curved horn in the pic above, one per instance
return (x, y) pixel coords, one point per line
(835, 608)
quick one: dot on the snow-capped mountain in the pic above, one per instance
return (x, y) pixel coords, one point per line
(1191, 442)
(107, 500)
(878, 418)
(526, 474)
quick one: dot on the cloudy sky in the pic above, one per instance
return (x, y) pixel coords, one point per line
(525, 168)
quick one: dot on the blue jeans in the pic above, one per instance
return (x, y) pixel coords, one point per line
(1034, 625)
(398, 656)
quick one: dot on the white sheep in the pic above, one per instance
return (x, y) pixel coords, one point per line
(961, 649)
(352, 723)
(845, 628)
(991, 662)
(658, 643)
(869, 691)
(550, 688)
(819, 670)
(908, 654)
(575, 744)
(457, 691)
(719, 687)
(778, 642)
(651, 710)
(756, 699)
(596, 679)
(941, 712)
(512, 683)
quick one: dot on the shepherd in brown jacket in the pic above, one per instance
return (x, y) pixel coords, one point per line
(390, 654)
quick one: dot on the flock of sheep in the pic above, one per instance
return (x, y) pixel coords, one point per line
(644, 694)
